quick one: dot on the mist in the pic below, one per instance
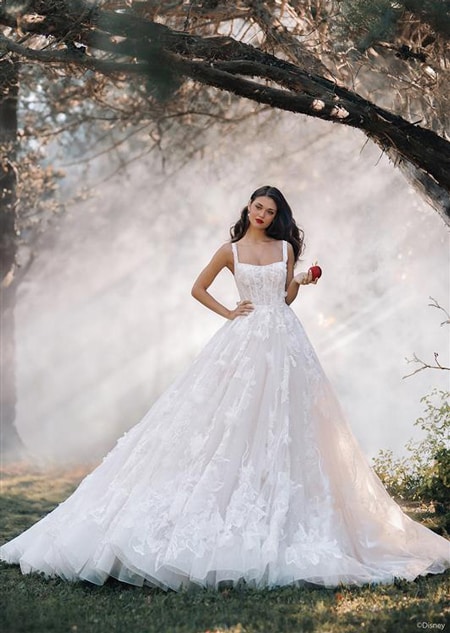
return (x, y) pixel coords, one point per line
(105, 319)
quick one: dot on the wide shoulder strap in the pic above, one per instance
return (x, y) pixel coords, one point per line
(285, 257)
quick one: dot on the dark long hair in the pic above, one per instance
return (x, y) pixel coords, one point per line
(283, 226)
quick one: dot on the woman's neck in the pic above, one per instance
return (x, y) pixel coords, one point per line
(255, 236)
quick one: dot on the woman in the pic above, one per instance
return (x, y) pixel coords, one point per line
(244, 469)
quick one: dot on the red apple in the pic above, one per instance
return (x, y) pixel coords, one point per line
(316, 272)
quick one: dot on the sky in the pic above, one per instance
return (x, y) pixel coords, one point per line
(105, 318)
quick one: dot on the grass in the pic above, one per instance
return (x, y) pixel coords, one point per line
(32, 604)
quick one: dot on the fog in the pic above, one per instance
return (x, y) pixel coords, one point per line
(105, 319)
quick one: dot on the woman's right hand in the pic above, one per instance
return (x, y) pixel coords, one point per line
(243, 308)
(303, 279)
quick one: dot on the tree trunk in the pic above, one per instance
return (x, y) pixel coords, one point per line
(11, 446)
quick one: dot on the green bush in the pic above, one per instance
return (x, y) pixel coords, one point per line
(424, 474)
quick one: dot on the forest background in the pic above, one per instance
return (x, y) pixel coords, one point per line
(132, 134)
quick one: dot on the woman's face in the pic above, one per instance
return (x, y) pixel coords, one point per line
(261, 212)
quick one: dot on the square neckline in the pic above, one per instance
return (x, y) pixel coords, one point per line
(279, 261)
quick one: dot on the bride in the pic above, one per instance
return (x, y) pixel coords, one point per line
(245, 468)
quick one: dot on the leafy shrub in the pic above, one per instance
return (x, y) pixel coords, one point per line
(424, 474)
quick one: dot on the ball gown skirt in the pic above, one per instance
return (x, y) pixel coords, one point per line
(243, 470)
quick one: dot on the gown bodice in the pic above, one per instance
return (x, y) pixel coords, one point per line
(261, 284)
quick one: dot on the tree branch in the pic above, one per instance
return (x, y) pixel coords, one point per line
(434, 304)
(163, 55)
(415, 359)
(425, 365)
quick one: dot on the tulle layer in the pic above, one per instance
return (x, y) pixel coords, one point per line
(244, 469)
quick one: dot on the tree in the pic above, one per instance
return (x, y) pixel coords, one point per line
(17, 197)
(125, 40)
(9, 70)
(406, 43)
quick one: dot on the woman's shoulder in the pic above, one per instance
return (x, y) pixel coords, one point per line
(225, 248)
(224, 252)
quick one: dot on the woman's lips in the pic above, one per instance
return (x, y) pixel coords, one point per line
(259, 221)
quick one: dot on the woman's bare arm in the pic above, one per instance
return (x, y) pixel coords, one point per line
(223, 258)
(293, 282)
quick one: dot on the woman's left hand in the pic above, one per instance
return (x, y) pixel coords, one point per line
(305, 278)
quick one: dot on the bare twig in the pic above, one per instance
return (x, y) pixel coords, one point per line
(435, 304)
(423, 364)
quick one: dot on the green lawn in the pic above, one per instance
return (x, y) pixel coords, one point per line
(33, 604)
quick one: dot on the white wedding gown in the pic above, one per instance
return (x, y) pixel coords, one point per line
(243, 469)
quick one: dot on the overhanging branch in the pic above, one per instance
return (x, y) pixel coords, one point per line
(134, 46)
